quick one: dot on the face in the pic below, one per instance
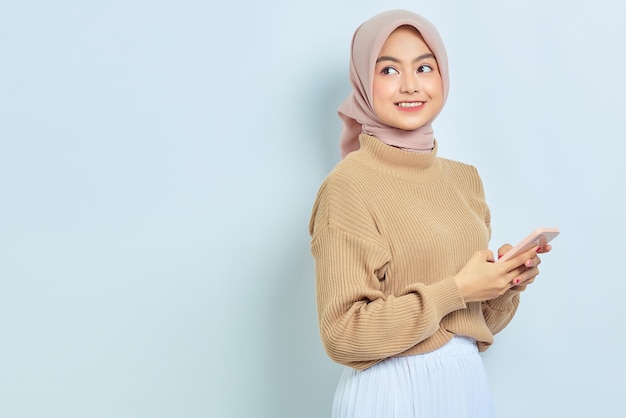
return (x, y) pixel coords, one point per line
(407, 91)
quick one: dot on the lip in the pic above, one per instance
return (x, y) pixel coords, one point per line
(410, 108)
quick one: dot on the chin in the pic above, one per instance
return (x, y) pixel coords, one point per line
(409, 126)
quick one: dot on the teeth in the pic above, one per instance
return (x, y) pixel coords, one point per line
(411, 104)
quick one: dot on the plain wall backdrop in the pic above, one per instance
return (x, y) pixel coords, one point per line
(159, 160)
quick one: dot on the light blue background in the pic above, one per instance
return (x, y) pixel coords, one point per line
(158, 163)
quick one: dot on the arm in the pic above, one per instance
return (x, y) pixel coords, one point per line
(498, 312)
(359, 324)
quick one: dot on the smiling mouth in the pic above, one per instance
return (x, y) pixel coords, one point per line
(406, 105)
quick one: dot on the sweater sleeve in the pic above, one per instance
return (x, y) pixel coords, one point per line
(498, 312)
(359, 324)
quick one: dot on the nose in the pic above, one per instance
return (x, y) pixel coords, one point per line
(410, 83)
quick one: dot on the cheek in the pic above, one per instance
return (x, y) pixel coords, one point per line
(435, 88)
(380, 92)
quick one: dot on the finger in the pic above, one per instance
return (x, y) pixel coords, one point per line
(533, 262)
(517, 275)
(521, 287)
(528, 275)
(504, 249)
(521, 259)
(524, 285)
(546, 248)
(487, 255)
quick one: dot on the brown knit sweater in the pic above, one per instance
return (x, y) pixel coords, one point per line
(390, 229)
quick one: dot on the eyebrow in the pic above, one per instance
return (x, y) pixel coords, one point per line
(396, 60)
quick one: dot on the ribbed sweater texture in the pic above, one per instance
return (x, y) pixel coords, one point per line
(390, 229)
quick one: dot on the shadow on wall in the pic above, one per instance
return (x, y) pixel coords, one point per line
(304, 378)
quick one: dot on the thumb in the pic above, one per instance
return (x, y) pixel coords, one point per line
(486, 255)
(504, 249)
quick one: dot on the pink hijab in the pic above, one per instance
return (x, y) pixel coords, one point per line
(357, 111)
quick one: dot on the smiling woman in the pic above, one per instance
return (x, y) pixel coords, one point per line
(407, 291)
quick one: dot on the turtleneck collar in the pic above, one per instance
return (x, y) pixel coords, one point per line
(421, 167)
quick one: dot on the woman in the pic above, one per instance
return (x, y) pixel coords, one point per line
(408, 293)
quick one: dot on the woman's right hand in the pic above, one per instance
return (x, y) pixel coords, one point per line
(482, 279)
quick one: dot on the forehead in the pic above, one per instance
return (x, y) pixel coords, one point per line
(404, 38)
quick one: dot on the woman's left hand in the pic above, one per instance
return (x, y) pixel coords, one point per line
(527, 271)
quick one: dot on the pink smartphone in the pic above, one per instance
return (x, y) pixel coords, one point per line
(538, 238)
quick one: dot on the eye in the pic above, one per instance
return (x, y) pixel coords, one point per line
(389, 71)
(424, 68)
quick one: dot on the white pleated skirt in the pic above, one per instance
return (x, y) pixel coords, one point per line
(449, 382)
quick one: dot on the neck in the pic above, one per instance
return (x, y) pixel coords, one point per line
(418, 140)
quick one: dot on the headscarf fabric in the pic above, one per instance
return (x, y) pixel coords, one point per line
(357, 111)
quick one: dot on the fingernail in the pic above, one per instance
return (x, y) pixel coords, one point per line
(538, 249)
(516, 281)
